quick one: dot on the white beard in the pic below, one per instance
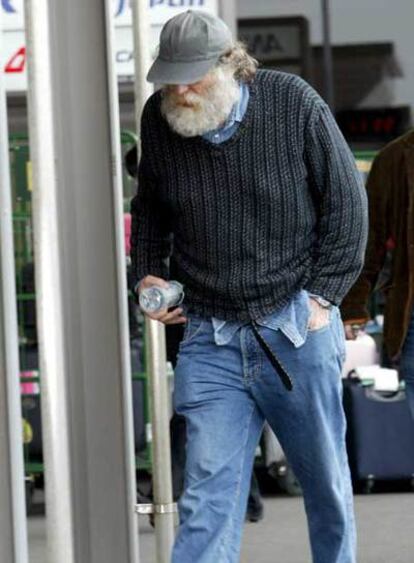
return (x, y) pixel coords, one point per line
(208, 112)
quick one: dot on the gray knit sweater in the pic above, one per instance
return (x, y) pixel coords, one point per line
(247, 223)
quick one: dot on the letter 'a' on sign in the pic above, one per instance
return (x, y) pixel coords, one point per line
(17, 62)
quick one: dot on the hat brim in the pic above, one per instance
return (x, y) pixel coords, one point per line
(168, 72)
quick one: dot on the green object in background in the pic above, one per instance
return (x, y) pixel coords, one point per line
(22, 187)
(128, 140)
(363, 161)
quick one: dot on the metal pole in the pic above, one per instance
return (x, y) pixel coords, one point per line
(163, 506)
(142, 56)
(81, 285)
(50, 308)
(327, 56)
(228, 13)
(127, 425)
(13, 526)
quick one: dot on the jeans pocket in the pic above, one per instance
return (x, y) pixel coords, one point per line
(193, 327)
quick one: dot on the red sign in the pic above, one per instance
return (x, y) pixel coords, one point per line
(17, 62)
(376, 125)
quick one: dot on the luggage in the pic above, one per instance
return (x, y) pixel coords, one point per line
(380, 435)
(360, 352)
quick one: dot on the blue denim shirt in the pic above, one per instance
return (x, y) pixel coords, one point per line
(292, 320)
(226, 131)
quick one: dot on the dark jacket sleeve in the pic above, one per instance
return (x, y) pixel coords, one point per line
(341, 207)
(150, 230)
(355, 305)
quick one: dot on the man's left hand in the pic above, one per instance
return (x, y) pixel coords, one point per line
(319, 317)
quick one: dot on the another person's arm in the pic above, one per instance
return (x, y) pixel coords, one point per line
(355, 305)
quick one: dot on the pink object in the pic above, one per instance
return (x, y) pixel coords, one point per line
(28, 388)
(127, 232)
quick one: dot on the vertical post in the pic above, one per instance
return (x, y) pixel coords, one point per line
(327, 56)
(228, 13)
(164, 508)
(13, 527)
(81, 283)
(142, 56)
(156, 360)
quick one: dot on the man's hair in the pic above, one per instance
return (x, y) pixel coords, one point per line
(238, 59)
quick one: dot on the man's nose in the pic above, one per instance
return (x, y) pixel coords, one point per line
(181, 89)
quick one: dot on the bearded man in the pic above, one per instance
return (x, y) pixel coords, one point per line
(248, 188)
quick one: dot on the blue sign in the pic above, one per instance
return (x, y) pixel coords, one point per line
(7, 6)
(123, 5)
(177, 3)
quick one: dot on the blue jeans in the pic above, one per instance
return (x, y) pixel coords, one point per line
(226, 393)
(407, 364)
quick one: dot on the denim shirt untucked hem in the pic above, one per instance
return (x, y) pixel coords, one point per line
(292, 320)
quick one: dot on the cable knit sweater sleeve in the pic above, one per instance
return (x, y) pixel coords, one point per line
(343, 215)
(151, 239)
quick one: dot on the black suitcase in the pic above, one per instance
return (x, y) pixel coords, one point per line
(380, 435)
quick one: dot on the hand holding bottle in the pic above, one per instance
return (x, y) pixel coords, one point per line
(157, 295)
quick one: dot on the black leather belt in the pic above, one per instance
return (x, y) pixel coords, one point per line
(279, 368)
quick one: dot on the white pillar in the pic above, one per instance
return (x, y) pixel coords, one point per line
(81, 283)
(142, 56)
(228, 13)
(13, 528)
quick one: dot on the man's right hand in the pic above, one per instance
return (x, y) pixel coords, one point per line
(173, 317)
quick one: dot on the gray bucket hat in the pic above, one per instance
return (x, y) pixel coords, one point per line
(191, 43)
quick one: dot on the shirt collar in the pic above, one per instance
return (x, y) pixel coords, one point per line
(239, 109)
(237, 112)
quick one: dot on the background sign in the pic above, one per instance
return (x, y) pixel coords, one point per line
(161, 10)
(273, 42)
(281, 43)
(13, 56)
(379, 125)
